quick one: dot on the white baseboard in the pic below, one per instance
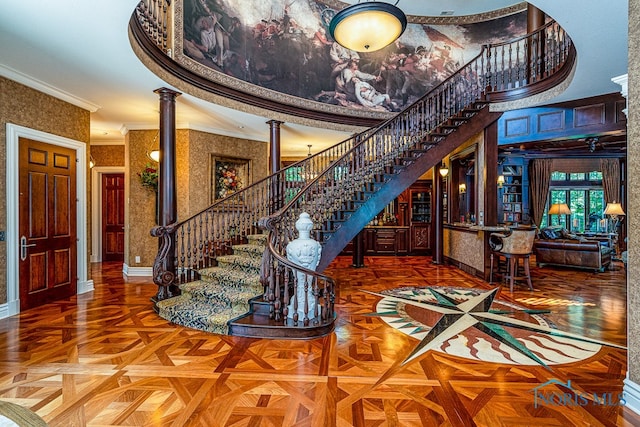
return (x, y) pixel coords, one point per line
(86, 286)
(137, 271)
(9, 309)
(631, 392)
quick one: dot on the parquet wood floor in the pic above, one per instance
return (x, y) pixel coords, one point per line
(106, 359)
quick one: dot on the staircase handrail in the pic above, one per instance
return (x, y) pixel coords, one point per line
(326, 190)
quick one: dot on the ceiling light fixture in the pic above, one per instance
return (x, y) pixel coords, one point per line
(368, 26)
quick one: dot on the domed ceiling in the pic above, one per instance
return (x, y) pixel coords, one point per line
(280, 50)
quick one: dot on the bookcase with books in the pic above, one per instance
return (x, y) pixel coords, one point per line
(511, 194)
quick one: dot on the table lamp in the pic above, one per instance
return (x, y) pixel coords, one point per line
(614, 211)
(559, 209)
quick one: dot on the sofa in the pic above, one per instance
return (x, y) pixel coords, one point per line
(555, 246)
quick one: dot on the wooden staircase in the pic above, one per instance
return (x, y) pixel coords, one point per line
(405, 169)
(342, 189)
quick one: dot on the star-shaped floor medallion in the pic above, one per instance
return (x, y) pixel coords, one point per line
(472, 323)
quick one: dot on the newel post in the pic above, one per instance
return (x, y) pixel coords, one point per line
(164, 265)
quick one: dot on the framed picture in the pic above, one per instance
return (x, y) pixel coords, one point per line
(228, 175)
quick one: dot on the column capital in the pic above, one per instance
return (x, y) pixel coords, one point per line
(166, 93)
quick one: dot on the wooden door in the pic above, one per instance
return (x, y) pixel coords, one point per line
(47, 206)
(113, 217)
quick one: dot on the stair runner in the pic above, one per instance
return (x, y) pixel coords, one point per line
(222, 293)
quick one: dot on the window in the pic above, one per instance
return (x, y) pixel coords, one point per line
(583, 194)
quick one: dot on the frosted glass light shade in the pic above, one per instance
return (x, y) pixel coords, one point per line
(368, 26)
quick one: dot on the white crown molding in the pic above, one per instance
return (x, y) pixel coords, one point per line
(200, 128)
(107, 142)
(43, 87)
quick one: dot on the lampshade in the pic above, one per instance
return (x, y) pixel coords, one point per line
(368, 26)
(613, 209)
(92, 162)
(462, 188)
(559, 209)
(500, 180)
(444, 170)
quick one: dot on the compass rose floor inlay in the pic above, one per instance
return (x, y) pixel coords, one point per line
(473, 324)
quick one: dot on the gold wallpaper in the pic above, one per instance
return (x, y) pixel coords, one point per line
(108, 155)
(193, 153)
(23, 106)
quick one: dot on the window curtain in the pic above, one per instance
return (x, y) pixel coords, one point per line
(539, 178)
(610, 179)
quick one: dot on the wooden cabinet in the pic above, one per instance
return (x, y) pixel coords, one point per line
(369, 241)
(402, 241)
(420, 237)
(410, 233)
(420, 205)
(420, 225)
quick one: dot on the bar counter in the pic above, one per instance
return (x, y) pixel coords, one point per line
(466, 246)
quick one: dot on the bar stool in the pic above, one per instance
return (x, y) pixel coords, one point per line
(513, 246)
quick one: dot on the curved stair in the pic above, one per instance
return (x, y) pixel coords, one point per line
(222, 293)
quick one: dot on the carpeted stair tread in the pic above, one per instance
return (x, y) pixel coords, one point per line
(258, 239)
(223, 293)
(216, 293)
(198, 315)
(239, 262)
(231, 277)
(249, 249)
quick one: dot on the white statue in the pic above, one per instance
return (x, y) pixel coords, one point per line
(305, 252)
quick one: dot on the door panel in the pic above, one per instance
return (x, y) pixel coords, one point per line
(47, 207)
(113, 217)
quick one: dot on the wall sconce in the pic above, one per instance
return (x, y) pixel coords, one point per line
(500, 181)
(309, 153)
(444, 170)
(154, 155)
(462, 188)
(92, 162)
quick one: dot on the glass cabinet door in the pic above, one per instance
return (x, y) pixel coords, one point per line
(420, 206)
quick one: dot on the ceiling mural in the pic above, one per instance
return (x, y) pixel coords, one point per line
(283, 48)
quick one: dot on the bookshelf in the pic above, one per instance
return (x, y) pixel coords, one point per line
(511, 193)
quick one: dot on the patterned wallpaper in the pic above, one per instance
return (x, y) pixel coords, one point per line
(108, 155)
(27, 107)
(193, 151)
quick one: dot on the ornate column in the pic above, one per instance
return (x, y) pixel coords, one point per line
(274, 149)
(167, 200)
(164, 264)
(274, 145)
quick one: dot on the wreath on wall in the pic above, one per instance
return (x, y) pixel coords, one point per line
(149, 178)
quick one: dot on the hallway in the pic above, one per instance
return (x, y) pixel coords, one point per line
(105, 358)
